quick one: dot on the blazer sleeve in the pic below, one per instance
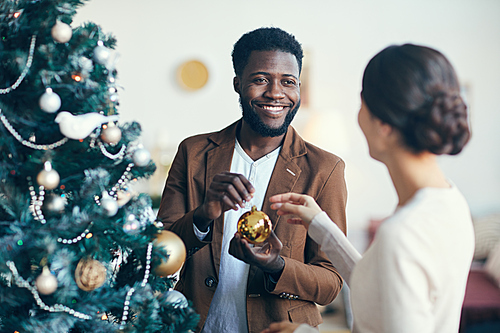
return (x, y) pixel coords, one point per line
(315, 279)
(174, 211)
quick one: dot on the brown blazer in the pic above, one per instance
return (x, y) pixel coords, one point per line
(308, 276)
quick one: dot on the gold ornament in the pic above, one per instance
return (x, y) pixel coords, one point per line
(255, 226)
(175, 248)
(48, 177)
(46, 283)
(90, 274)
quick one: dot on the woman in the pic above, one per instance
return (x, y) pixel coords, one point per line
(412, 278)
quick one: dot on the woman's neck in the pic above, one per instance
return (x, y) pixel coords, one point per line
(410, 172)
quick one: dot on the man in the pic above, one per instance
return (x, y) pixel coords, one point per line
(216, 177)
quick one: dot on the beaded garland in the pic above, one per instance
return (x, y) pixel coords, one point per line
(29, 61)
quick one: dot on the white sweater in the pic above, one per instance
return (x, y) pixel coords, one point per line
(412, 278)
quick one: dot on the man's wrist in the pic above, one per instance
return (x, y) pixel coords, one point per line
(201, 222)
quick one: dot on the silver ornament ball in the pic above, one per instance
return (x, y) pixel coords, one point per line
(109, 206)
(54, 204)
(46, 283)
(141, 157)
(111, 134)
(101, 54)
(49, 179)
(50, 101)
(175, 299)
(61, 32)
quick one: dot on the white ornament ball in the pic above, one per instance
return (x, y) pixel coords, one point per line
(132, 226)
(61, 32)
(46, 283)
(141, 157)
(175, 299)
(109, 205)
(50, 101)
(111, 134)
(48, 177)
(101, 54)
(54, 204)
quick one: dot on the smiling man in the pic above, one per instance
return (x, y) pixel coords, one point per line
(216, 177)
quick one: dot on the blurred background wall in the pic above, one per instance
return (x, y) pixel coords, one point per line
(339, 37)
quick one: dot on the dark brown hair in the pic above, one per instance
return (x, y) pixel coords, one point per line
(415, 89)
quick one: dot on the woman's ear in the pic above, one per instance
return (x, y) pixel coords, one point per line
(236, 84)
(383, 129)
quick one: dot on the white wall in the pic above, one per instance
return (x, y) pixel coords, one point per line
(155, 36)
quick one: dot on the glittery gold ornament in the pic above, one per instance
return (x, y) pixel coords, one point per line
(46, 283)
(176, 250)
(255, 226)
(90, 274)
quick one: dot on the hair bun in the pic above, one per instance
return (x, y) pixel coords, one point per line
(442, 126)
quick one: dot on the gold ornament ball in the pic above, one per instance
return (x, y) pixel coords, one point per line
(46, 283)
(49, 179)
(255, 226)
(90, 274)
(111, 134)
(175, 248)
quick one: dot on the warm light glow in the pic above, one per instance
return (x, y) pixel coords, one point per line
(104, 126)
(89, 235)
(104, 317)
(62, 187)
(76, 77)
(16, 15)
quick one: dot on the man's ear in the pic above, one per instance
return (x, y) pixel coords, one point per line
(236, 84)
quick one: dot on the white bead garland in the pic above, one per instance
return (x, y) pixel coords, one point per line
(26, 143)
(77, 238)
(106, 153)
(37, 201)
(29, 61)
(132, 290)
(22, 283)
(114, 190)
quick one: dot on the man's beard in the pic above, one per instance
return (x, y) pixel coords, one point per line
(252, 118)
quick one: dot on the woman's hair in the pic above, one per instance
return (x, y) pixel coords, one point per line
(415, 89)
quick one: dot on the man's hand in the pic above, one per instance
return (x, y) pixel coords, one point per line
(266, 257)
(227, 191)
(302, 206)
(282, 327)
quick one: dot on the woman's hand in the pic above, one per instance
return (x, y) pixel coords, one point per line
(302, 206)
(282, 327)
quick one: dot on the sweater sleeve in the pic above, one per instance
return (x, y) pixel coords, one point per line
(335, 244)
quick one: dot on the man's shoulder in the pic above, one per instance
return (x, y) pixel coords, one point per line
(206, 138)
(315, 152)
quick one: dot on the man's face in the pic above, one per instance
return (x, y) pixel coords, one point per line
(269, 90)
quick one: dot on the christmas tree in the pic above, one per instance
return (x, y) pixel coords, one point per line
(80, 251)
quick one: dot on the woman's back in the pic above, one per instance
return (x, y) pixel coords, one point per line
(413, 276)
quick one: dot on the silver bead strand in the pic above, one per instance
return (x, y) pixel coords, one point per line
(114, 190)
(26, 143)
(148, 265)
(37, 202)
(77, 238)
(22, 283)
(106, 153)
(29, 61)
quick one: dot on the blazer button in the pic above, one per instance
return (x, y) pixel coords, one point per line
(210, 282)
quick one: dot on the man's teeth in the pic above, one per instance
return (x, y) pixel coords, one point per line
(272, 108)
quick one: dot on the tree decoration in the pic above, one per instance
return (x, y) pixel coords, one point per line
(255, 226)
(54, 204)
(61, 32)
(175, 298)
(111, 133)
(48, 177)
(90, 274)
(50, 101)
(141, 157)
(78, 127)
(46, 283)
(131, 226)
(101, 53)
(108, 204)
(176, 250)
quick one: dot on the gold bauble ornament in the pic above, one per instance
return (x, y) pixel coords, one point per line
(90, 274)
(48, 177)
(46, 283)
(176, 250)
(255, 226)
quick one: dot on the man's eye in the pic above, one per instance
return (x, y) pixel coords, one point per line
(260, 80)
(290, 82)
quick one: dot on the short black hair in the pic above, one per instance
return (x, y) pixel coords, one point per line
(264, 39)
(415, 89)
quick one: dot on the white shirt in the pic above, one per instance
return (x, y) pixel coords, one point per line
(228, 310)
(413, 276)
